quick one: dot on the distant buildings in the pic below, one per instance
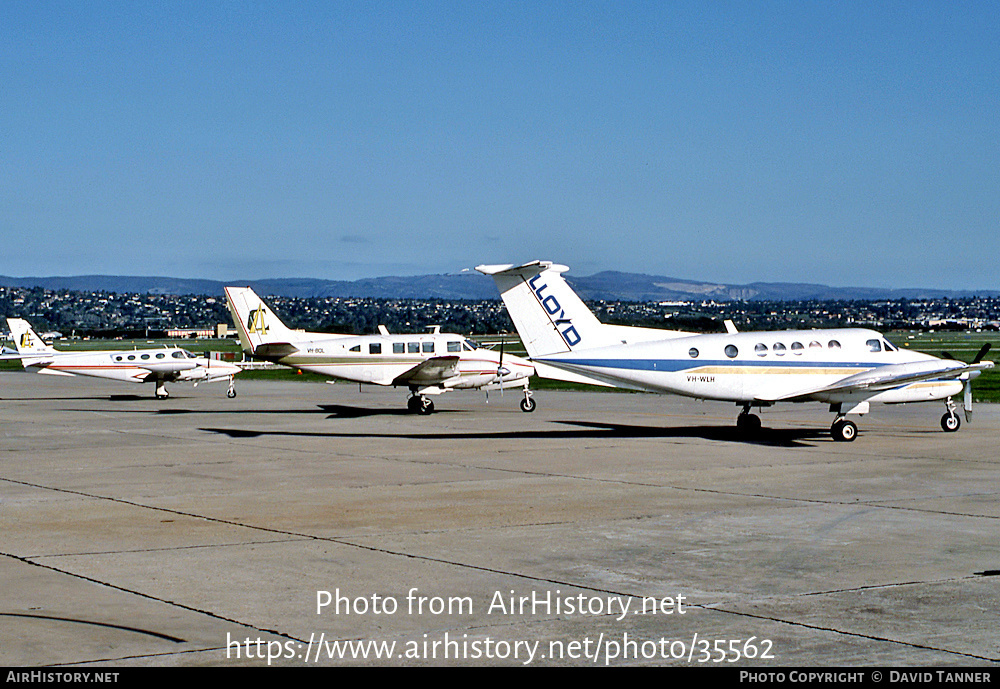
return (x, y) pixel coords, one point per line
(106, 314)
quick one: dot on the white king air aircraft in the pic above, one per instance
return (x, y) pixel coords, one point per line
(846, 368)
(428, 364)
(160, 366)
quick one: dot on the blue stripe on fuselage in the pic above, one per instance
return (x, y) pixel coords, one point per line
(678, 365)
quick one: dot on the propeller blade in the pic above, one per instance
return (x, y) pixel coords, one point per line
(982, 353)
(500, 365)
(967, 389)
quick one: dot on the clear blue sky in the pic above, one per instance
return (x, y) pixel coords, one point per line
(847, 143)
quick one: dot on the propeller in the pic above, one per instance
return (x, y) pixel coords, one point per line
(967, 387)
(501, 371)
(967, 399)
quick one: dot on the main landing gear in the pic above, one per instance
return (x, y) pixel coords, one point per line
(231, 392)
(161, 390)
(419, 404)
(748, 424)
(842, 430)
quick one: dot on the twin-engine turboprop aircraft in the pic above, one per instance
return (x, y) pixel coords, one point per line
(428, 364)
(160, 366)
(846, 368)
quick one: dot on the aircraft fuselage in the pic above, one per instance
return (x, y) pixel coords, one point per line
(754, 366)
(381, 359)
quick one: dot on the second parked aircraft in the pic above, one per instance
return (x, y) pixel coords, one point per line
(427, 364)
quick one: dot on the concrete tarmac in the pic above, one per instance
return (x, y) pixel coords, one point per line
(305, 523)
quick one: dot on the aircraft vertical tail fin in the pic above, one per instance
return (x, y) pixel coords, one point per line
(548, 314)
(25, 339)
(256, 323)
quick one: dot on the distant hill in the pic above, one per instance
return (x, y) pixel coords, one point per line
(606, 285)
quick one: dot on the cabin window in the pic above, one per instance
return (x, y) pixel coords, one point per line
(731, 351)
(144, 357)
(693, 353)
(797, 348)
(118, 358)
(398, 347)
(815, 345)
(761, 349)
(160, 355)
(779, 349)
(131, 357)
(375, 348)
(428, 347)
(356, 348)
(874, 345)
(413, 348)
(454, 346)
(833, 344)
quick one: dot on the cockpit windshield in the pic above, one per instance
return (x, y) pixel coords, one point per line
(470, 346)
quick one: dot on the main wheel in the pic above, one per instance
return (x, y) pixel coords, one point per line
(748, 423)
(950, 422)
(527, 405)
(413, 404)
(844, 431)
(426, 406)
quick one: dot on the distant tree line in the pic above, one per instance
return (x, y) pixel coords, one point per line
(102, 314)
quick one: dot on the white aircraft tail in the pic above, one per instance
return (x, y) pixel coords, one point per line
(548, 315)
(256, 323)
(551, 318)
(27, 340)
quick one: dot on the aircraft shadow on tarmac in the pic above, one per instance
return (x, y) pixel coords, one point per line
(586, 430)
(92, 623)
(332, 411)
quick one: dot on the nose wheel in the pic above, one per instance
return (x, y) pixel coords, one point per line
(527, 404)
(950, 421)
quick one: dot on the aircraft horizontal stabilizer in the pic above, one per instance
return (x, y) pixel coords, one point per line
(275, 350)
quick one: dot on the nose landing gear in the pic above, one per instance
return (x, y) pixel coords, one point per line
(950, 421)
(527, 404)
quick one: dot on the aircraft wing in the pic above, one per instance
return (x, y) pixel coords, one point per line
(429, 371)
(888, 377)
